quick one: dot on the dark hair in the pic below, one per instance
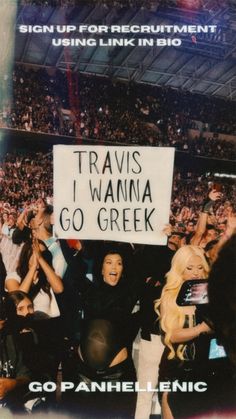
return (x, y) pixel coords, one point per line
(107, 249)
(177, 233)
(30, 216)
(210, 245)
(11, 302)
(47, 222)
(222, 297)
(210, 227)
(23, 263)
(112, 251)
(23, 268)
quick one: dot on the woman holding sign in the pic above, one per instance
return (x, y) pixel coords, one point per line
(104, 353)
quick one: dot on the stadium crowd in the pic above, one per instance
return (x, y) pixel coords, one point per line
(123, 113)
(68, 300)
(24, 178)
(120, 4)
(86, 324)
(27, 176)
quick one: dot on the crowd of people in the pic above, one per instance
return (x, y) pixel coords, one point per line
(124, 113)
(188, 190)
(68, 301)
(119, 4)
(73, 311)
(27, 176)
(198, 4)
(24, 178)
(37, 100)
(45, 3)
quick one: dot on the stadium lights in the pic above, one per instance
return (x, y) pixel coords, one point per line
(227, 175)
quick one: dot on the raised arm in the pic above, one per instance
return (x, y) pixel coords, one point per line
(202, 221)
(230, 230)
(12, 284)
(21, 220)
(53, 279)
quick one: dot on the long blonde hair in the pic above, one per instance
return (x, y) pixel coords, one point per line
(170, 314)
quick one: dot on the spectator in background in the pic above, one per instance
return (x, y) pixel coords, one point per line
(14, 375)
(35, 276)
(206, 232)
(222, 297)
(153, 264)
(39, 340)
(145, 115)
(10, 251)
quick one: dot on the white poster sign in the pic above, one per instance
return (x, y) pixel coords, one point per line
(112, 193)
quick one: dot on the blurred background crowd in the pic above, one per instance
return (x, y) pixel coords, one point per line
(151, 116)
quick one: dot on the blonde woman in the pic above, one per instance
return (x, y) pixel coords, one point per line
(179, 325)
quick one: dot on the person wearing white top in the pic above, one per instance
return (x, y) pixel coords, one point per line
(34, 275)
(10, 251)
(43, 231)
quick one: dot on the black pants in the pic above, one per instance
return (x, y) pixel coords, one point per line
(219, 397)
(100, 404)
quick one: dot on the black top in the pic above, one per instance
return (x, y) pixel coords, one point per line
(12, 366)
(109, 324)
(154, 262)
(113, 303)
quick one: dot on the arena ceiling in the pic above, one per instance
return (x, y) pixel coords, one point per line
(204, 64)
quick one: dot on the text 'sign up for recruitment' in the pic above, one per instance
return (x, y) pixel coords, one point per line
(112, 193)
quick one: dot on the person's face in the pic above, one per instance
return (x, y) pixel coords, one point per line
(194, 269)
(112, 269)
(24, 307)
(40, 204)
(211, 235)
(11, 221)
(190, 227)
(175, 240)
(5, 217)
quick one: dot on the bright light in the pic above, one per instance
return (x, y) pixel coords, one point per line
(227, 175)
(189, 4)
